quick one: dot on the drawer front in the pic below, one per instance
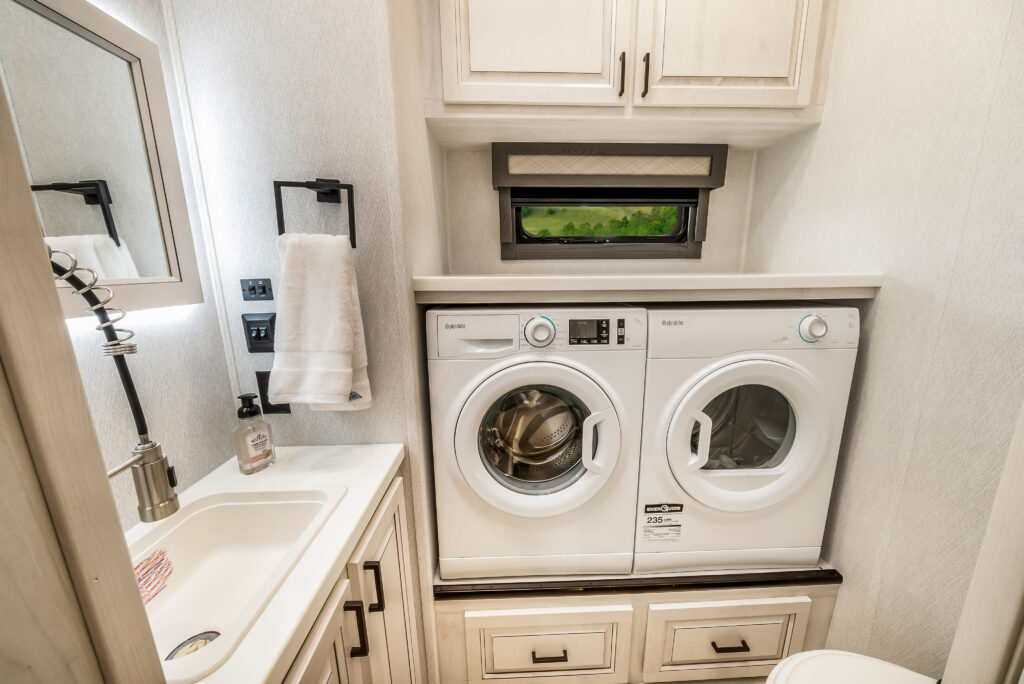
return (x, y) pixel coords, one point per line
(583, 647)
(588, 642)
(729, 642)
(722, 639)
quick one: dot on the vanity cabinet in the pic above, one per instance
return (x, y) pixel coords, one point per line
(325, 656)
(384, 578)
(688, 53)
(630, 636)
(364, 633)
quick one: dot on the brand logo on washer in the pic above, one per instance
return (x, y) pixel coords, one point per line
(663, 508)
(454, 326)
(672, 321)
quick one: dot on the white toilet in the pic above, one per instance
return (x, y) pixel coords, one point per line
(841, 667)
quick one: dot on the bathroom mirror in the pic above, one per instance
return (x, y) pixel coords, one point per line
(91, 114)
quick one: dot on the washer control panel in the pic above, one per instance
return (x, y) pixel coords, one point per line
(585, 329)
(486, 332)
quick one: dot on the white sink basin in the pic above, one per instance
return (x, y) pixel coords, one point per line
(230, 553)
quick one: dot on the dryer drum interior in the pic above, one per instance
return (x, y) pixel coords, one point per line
(530, 439)
(753, 426)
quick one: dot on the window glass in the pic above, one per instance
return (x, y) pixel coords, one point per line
(752, 426)
(599, 220)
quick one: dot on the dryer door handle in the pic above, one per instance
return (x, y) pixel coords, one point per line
(589, 446)
(700, 459)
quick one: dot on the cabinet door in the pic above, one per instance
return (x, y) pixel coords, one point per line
(384, 580)
(319, 661)
(726, 53)
(535, 51)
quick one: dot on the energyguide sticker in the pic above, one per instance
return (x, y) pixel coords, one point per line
(663, 522)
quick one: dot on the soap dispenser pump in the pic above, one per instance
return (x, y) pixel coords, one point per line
(253, 441)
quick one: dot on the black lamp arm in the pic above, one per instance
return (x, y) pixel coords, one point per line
(119, 361)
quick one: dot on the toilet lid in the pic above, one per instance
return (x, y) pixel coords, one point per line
(841, 667)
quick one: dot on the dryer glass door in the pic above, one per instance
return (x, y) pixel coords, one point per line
(537, 439)
(748, 434)
(752, 426)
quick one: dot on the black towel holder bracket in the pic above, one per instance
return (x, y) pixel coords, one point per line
(327, 190)
(93, 192)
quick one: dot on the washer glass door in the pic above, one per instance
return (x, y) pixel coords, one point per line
(537, 439)
(531, 439)
(748, 434)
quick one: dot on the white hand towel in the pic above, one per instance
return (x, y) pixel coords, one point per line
(98, 252)
(319, 349)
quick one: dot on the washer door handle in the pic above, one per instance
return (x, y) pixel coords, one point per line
(700, 459)
(589, 446)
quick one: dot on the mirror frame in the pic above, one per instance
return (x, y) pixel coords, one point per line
(182, 285)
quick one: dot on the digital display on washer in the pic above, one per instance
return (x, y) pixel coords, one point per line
(588, 331)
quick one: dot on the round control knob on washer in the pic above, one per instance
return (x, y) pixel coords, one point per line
(813, 328)
(540, 331)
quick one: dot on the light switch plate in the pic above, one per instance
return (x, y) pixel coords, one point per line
(257, 289)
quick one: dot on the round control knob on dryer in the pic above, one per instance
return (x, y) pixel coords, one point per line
(813, 328)
(540, 332)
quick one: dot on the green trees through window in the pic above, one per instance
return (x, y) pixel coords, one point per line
(598, 221)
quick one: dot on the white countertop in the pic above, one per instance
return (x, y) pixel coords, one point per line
(279, 631)
(690, 287)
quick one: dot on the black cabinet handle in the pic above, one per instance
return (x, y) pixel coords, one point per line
(622, 74)
(363, 649)
(647, 74)
(564, 658)
(378, 582)
(742, 648)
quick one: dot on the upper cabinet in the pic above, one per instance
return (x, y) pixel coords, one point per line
(726, 53)
(569, 52)
(672, 53)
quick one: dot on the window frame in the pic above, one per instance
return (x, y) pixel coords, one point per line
(689, 192)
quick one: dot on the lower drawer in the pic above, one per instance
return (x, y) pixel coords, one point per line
(722, 639)
(589, 642)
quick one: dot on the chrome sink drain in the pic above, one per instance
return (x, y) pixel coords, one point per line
(192, 644)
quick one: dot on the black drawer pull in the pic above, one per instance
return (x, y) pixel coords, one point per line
(363, 649)
(622, 74)
(742, 648)
(647, 75)
(564, 658)
(378, 582)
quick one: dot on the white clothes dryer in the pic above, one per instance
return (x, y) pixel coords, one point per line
(536, 417)
(744, 411)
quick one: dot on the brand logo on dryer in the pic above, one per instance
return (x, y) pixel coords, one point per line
(666, 322)
(454, 326)
(663, 508)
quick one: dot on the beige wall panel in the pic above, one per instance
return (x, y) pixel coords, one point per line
(915, 171)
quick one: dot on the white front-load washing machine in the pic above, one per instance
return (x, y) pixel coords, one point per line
(536, 417)
(744, 411)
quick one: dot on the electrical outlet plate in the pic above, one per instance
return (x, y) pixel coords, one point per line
(259, 332)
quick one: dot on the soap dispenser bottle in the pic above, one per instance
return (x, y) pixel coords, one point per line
(253, 441)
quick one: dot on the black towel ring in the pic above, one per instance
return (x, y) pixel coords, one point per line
(327, 190)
